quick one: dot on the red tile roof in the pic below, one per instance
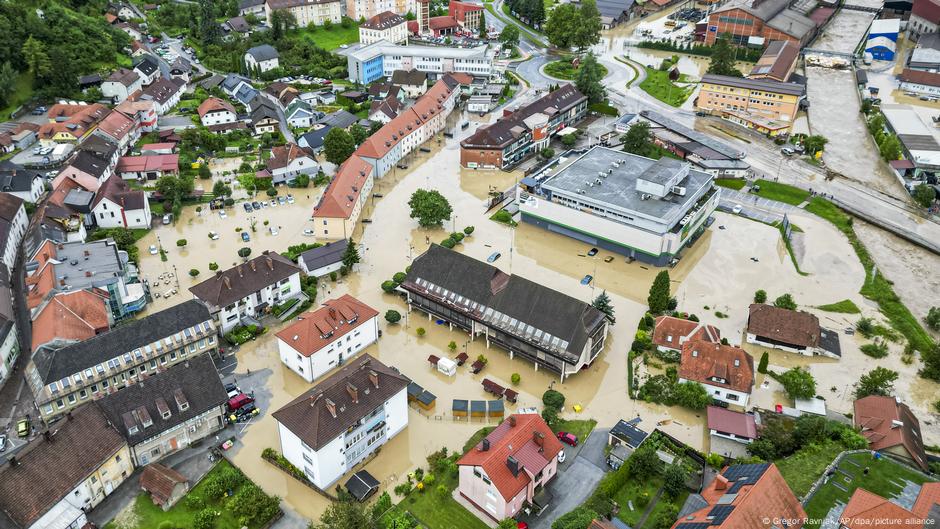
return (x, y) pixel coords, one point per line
(784, 325)
(383, 21)
(887, 423)
(283, 155)
(734, 422)
(425, 108)
(152, 162)
(671, 332)
(866, 510)
(214, 104)
(160, 481)
(718, 365)
(315, 330)
(341, 195)
(920, 77)
(519, 441)
(78, 119)
(71, 316)
(928, 497)
(443, 22)
(117, 125)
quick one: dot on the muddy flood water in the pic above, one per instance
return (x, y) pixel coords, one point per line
(718, 273)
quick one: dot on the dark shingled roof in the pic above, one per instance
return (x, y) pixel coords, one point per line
(330, 253)
(263, 52)
(58, 364)
(783, 325)
(199, 382)
(47, 470)
(309, 417)
(409, 77)
(383, 21)
(242, 280)
(500, 134)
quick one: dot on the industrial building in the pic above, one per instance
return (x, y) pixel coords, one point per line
(382, 58)
(882, 41)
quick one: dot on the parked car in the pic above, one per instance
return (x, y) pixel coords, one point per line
(493, 257)
(167, 219)
(245, 236)
(222, 214)
(787, 151)
(290, 199)
(247, 207)
(273, 230)
(256, 205)
(23, 427)
(308, 233)
(586, 280)
(153, 249)
(736, 209)
(3, 442)
(568, 438)
(214, 235)
(561, 456)
(592, 252)
(240, 400)
(281, 200)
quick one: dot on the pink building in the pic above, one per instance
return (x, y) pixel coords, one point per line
(507, 468)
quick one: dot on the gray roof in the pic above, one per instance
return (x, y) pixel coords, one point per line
(232, 81)
(197, 380)
(89, 162)
(927, 51)
(231, 285)
(245, 4)
(314, 138)
(629, 433)
(81, 265)
(263, 52)
(409, 77)
(501, 133)
(261, 108)
(341, 118)
(614, 8)
(100, 146)
(55, 365)
(328, 254)
(619, 187)
(17, 179)
(775, 13)
(766, 85)
(147, 65)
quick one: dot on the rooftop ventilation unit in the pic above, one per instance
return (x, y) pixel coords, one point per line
(679, 190)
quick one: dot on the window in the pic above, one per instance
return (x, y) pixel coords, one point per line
(71, 398)
(83, 394)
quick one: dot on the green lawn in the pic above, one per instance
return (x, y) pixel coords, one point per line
(477, 437)
(632, 491)
(658, 85)
(661, 506)
(330, 39)
(806, 465)
(731, 183)
(885, 478)
(580, 427)
(22, 91)
(781, 192)
(846, 306)
(563, 69)
(180, 515)
(603, 108)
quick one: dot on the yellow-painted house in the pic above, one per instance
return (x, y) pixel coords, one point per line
(761, 104)
(335, 216)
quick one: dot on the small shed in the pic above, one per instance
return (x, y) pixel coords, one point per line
(426, 400)
(478, 408)
(414, 389)
(362, 485)
(433, 360)
(460, 408)
(447, 366)
(165, 485)
(495, 409)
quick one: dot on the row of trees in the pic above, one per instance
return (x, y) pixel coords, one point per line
(571, 25)
(532, 12)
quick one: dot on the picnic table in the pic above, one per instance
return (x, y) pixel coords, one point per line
(476, 366)
(492, 387)
(462, 358)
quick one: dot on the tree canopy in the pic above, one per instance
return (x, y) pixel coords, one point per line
(509, 36)
(429, 207)
(572, 26)
(878, 381)
(338, 145)
(589, 78)
(603, 304)
(722, 58)
(798, 383)
(658, 299)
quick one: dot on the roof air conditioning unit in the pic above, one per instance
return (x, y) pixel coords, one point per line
(679, 190)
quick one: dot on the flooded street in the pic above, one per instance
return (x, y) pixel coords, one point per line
(717, 272)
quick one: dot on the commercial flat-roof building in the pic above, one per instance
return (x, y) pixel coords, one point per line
(641, 208)
(764, 105)
(382, 58)
(699, 149)
(918, 140)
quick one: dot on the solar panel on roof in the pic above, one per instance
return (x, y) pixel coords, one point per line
(693, 525)
(719, 513)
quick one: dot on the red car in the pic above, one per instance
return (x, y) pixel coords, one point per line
(238, 401)
(568, 438)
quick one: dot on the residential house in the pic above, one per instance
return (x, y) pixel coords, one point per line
(867, 509)
(94, 80)
(727, 372)
(770, 20)
(790, 330)
(165, 94)
(891, 427)
(264, 117)
(165, 485)
(9, 335)
(730, 431)
(214, 111)
(312, 140)
(320, 261)
(764, 105)
(70, 317)
(289, 161)
(356, 9)
(13, 223)
(616, 12)
(59, 476)
(246, 290)
(385, 110)
(523, 131)
(148, 68)
(70, 207)
(150, 149)
(150, 167)
(326, 338)
(92, 265)
(336, 214)
(70, 123)
(143, 111)
(120, 130)
(300, 114)
(132, 29)
(236, 26)
(752, 495)
(544, 326)
(480, 104)
(181, 69)
(88, 169)
(307, 12)
(777, 62)
(26, 184)
(413, 83)
(121, 10)
(342, 119)
(282, 94)
(626, 434)
(170, 410)
(343, 419)
(116, 205)
(261, 58)
(121, 84)
(251, 7)
(506, 469)
(64, 378)
(387, 26)
(670, 333)
(232, 82)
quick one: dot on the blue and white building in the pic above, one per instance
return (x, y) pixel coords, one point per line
(882, 41)
(380, 59)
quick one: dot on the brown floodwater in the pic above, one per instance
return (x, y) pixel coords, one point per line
(717, 272)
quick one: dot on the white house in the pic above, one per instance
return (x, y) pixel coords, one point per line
(385, 26)
(730, 431)
(116, 205)
(287, 162)
(13, 223)
(791, 330)
(261, 58)
(9, 345)
(726, 372)
(299, 114)
(215, 111)
(245, 291)
(327, 337)
(148, 69)
(165, 93)
(120, 84)
(670, 333)
(343, 419)
(23, 183)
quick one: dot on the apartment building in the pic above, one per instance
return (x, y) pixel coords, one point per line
(356, 9)
(307, 12)
(336, 214)
(764, 105)
(388, 26)
(13, 224)
(382, 58)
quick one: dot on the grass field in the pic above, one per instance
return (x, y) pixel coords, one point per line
(781, 192)
(885, 478)
(658, 85)
(631, 493)
(731, 183)
(580, 427)
(564, 70)
(806, 465)
(330, 39)
(22, 91)
(846, 306)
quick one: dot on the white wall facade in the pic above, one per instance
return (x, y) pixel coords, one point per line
(36, 189)
(17, 229)
(218, 117)
(752, 338)
(118, 91)
(298, 166)
(272, 295)
(263, 66)
(395, 34)
(111, 215)
(313, 13)
(336, 352)
(921, 88)
(9, 351)
(724, 394)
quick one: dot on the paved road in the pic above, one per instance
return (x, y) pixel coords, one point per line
(174, 122)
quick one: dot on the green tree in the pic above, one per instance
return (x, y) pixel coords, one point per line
(878, 381)
(760, 296)
(482, 28)
(34, 53)
(643, 462)
(561, 25)
(667, 516)
(674, 478)
(220, 189)
(785, 302)
(588, 28)
(691, 395)
(8, 78)
(798, 383)
(722, 58)
(506, 523)
(658, 299)
(814, 144)
(338, 145)
(568, 140)
(924, 195)
(358, 133)
(579, 518)
(252, 506)
(350, 255)
(553, 399)
(209, 30)
(550, 416)
(204, 172)
(890, 148)
(193, 272)
(637, 139)
(282, 20)
(392, 316)
(509, 36)
(589, 78)
(762, 365)
(933, 318)
(429, 207)
(345, 514)
(603, 304)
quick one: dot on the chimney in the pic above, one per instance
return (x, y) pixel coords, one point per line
(513, 466)
(374, 378)
(353, 392)
(228, 282)
(330, 405)
(62, 282)
(270, 263)
(13, 461)
(253, 266)
(539, 439)
(47, 435)
(218, 273)
(512, 421)
(721, 482)
(485, 445)
(239, 268)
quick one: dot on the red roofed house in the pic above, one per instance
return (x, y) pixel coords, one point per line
(119, 129)
(215, 111)
(335, 216)
(116, 205)
(727, 372)
(790, 330)
(730, 431)
(753, 496)
(289, 161)
(502, 472)
(148, 167)
(327, 337)
(71, 317)
(70, 123)
(890, 426)
(144, 111)
(670, 333)
(165, 485)
(866, 510)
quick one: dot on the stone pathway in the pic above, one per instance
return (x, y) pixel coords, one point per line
(649, 508)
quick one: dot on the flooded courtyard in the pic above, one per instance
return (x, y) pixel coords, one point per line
(721, 272)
